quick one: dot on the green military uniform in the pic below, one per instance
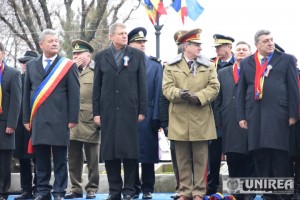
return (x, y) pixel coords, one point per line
(86, 134)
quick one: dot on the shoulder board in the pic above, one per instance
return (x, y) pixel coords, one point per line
(175, 60)
(203, 60)
(155, 59)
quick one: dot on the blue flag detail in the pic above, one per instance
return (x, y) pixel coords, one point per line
(194, 9)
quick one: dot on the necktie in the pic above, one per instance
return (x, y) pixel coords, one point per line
(190, 63)
(263, 60)
(48, 64)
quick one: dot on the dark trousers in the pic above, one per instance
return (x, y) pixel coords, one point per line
(27, 180)
(146, 184)
(215, 153)
(240, 165)
(174, 164)
(113, 169)
(5, 171)
(271, 163)
(43, 169)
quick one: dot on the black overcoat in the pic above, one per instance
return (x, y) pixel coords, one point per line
(11, 105)
(22, 136)
(119, 96)
(50, 124)
(268, 118)
(234, 138)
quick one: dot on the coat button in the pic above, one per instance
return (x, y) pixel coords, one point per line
(118, 108)
(117, 91)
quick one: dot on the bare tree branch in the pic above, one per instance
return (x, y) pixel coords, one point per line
(44, 7)
(36, 15)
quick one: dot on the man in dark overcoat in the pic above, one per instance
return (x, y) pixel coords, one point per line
(28, 182)
(234, 138)
(119, 103)
(148, 129)
(10, 105)
(268, 98)
(51, 123)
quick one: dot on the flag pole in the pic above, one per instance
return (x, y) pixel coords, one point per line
(158, 28)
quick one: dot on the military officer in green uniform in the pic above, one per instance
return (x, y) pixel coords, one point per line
(85, 137)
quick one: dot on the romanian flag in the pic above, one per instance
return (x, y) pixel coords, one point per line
(159, 7)
(151, 12)
(180, 7)
(189, 8)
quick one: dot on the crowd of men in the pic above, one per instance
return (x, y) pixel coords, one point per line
(243, 105)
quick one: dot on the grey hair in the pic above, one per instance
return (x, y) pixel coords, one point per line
(46, 32)
(260, 33)
(180, 48)
(113, 27)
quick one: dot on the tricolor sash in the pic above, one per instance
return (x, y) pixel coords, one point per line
(1, 73)
(46, 88)
(261, 71)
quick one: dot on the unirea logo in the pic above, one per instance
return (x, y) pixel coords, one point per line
(258, 185)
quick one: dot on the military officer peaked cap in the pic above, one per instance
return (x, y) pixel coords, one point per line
(28, 56)
(81, 46)
(179, 33)
(190, 36)
(222, 39)
(137, 34)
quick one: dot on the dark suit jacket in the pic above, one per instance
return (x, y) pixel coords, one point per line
(268, 118)
(50, 124)
(11, 105)
(119, 96)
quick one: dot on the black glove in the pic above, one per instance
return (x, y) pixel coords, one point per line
(194, 100)
(155, 123)
(184, 94)
(166, 131)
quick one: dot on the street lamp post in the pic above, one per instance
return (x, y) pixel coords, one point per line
(158, 28)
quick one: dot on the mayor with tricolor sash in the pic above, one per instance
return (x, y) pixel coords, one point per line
(51, 107)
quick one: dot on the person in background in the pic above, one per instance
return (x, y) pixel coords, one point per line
(234, 138)
(50, 109)
(10, 106)
(148, 129)
(119, 104)
(267, 105)
(225, 58)
(85, 137)
(190, 84)
(26, 160)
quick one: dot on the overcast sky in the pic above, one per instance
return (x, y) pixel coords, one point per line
(239, 19)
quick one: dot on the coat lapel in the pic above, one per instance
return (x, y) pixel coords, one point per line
(129, 54)
(275, 59)
(40, 67)
(111, 59)
(183, 65)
